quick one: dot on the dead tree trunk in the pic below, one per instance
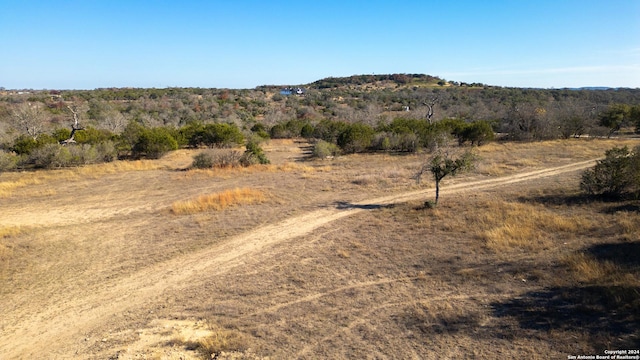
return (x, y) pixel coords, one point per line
(74, 127)
(430, 105)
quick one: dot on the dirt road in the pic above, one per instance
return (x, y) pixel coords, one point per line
(57, 329)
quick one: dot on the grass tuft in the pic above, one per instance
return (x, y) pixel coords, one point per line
(9, 231)
(218, 201)
(221, 340)
(588, 269)
(5, 233)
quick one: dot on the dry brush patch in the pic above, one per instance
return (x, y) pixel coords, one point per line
(219, 201)
(507, 226)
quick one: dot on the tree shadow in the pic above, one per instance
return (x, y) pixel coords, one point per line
(558, 199)
(608, 313)
(629, 207)
(625, 255)
(618, 203)
(345, 205)
(604, 313)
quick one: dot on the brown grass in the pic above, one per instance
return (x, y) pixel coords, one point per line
(6, 233)
(587, 269)
(399, 281)
(221, 340)
(501, 158)
(233, 171)
(218, 201)
(507, 226)
(8, 187)
(9, 231)
(629, 224)
(24, 179)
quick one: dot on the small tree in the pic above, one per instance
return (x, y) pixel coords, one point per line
(477, 132)
(323, 149)
(221, 135)
(356, 138)
(442, 163)
(253, 154)
(615, 117)
(634, 116)
(616, 174)
(154, 143)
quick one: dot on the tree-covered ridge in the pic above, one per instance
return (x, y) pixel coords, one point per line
(398, 79)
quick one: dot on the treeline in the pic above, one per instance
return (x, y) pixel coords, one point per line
(121, 123)
(522, 113)
(400, 135)
(91, 145)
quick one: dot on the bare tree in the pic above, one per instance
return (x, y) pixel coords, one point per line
(30, 118)
(74, 127)
(430, 105)
(113, 120)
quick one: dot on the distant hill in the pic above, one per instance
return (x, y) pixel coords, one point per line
(593, 88)
(398, 79)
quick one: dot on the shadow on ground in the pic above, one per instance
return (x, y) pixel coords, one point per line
(625, 255)
(621, 204)
(342, 205)
(608, 313)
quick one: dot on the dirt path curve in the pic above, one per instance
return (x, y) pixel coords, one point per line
(57, 331)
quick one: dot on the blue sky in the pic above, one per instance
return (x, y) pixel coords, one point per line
(87, 44)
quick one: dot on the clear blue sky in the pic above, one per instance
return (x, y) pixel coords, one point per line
(86, 44)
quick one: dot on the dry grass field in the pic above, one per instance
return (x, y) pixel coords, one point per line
(311, 259)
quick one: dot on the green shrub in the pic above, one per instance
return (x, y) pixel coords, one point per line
(278, 131)
(307, 131)
(260, 130)
(24, 144)
(61, 134)
(253, 155)
(477, 132)
(154, 143)
(382, 141)
(91, 135)
(221, 135)
(106, 151)
(50, 156)
(129, 137)
(356, 138)
(192, 133)
(291, 129)
(329, 131)
(617, 174)
(82, 154)
(410, 130)
(8, 161)
(323, 149)
(202, 161)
